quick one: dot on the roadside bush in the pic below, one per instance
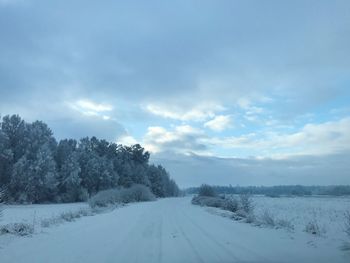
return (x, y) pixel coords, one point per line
(250, 218)
(2, 196)
(206, 190)
(136, 193)
(268, 219)
(313, 227)
(347, 223)
(47, 222)
(19, 229)
(243, 208)
(282, 223)
(231, 205)
(65, 217)
(272, 195)
(105, 198)
(69, 216)
(208, 201)
(246, 203)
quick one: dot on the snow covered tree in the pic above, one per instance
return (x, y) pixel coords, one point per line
(39, 134)
(15, 131)
(206, 190)
(34, 173)
(64, 150)
(6, 160)
(97, 172)
(37, 169)
(69, 182)
(161, 184)
(156, 180)
(132, 165)
(34, 179)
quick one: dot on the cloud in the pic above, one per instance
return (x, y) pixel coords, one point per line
(77, 127)
(219, 123)
(181, 139)
(263, 64)
(126, 139)
(90, 108)
(318, 139)
(197, 113)
(193, 170)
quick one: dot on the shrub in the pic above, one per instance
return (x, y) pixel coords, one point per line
(208, 201)
(313, 227)
(250, 218)
(65, 217)
(347, 223)
(282, 223)
(225, 204)
(2, 196)
(69, 216)
(105, 198)
(19, 229)
(206, 190)
(136, 193)
(246, 203)
(231, 205)
(268, 219)
(272, 195)
(242, 208)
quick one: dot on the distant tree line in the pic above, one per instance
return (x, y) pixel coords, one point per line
(35, 168)
(275, 191)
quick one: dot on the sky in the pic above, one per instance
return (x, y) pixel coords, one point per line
(221, 92)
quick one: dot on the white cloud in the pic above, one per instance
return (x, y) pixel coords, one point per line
(90, 108)
(198, 113)
(194, 170)
(126, 140)
(244, 103)
(316, 139)
(219, 123)
(181, 139)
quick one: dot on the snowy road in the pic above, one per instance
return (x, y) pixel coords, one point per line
(169, 230)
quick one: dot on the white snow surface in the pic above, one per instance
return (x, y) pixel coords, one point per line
(34, 213)
(327, 211)
(167, 230)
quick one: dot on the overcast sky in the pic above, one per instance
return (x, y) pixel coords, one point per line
(222, 92)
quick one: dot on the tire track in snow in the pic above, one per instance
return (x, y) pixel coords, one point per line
(179, 229)
(160, 239)
(222, 254)
(212, 239)
(225, 248)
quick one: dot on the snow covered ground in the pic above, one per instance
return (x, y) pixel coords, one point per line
(34, 213)
(327, 212)
(168, 230)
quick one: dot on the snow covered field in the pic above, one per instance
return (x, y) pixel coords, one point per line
(326, 212)
(167, 230)
(34, 213)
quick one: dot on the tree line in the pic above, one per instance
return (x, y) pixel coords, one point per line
(279, 190)
(35, 168)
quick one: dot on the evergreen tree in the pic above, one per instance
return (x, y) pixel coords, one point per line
(6, 160)
(36, 169)
(34, 179)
